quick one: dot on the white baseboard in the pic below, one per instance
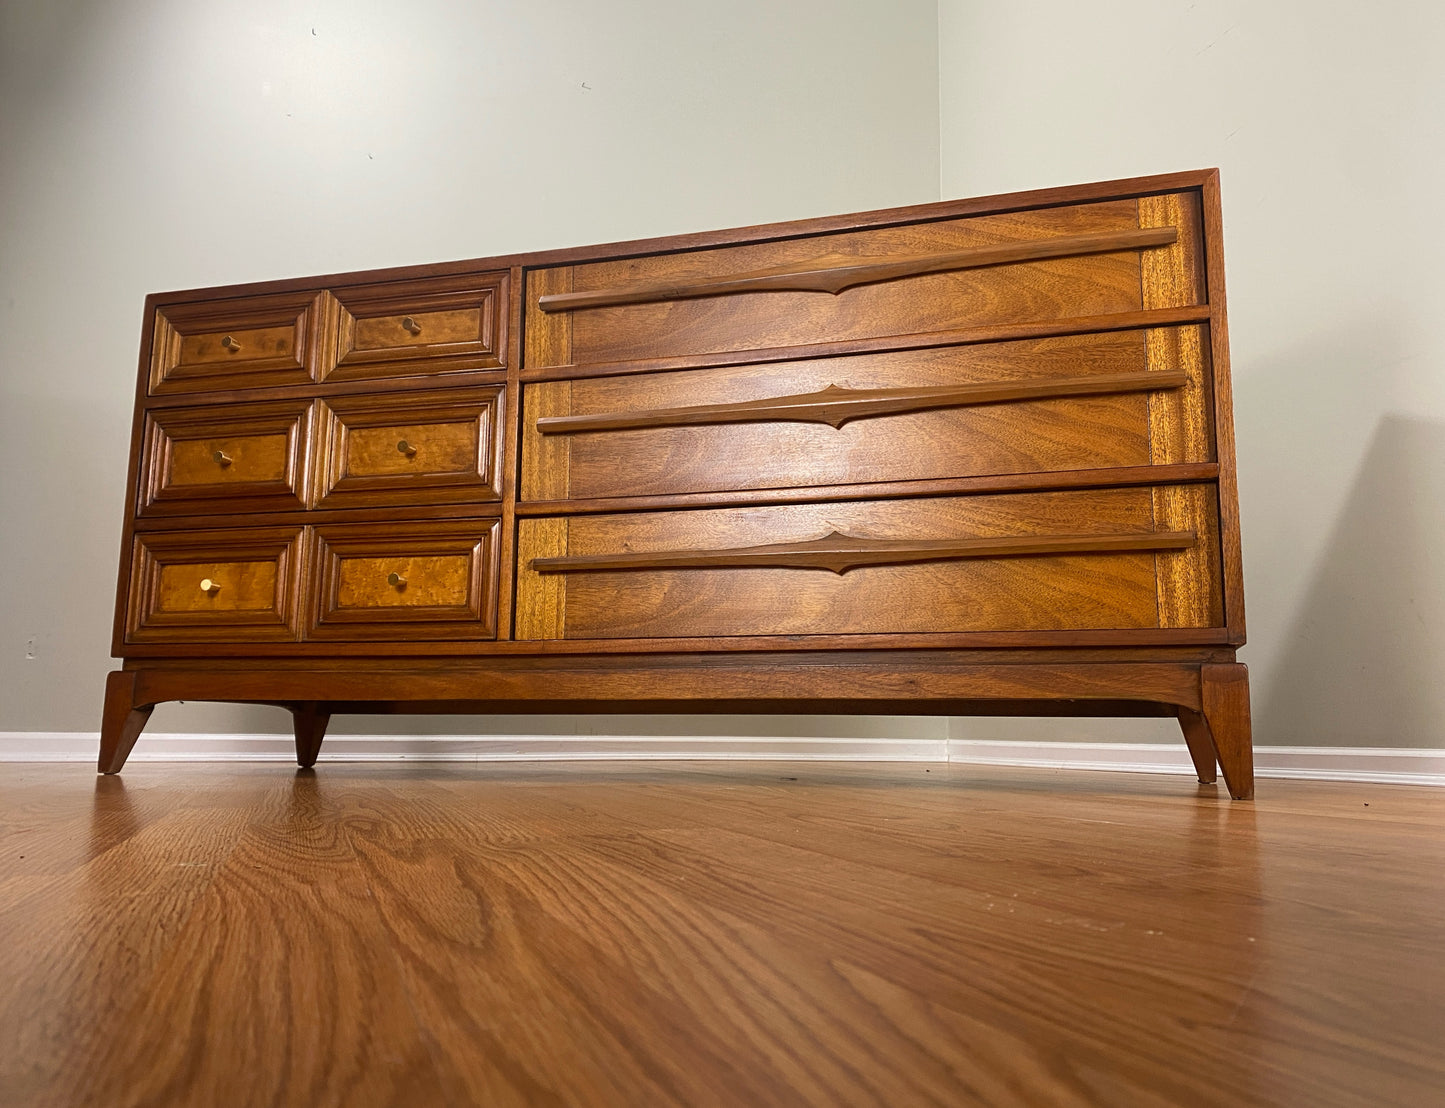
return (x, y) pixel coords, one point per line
(1385, 765)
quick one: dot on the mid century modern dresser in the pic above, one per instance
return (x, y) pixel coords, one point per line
(967, 457)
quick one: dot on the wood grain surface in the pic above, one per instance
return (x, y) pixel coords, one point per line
(1052, 289)
(381, 581)
(413, 450)
(1051, 592)
(836, 273)
(257, 341)
(1031, 434)
(226, 458)
(730, 934)
(420, 327)
(226, 586)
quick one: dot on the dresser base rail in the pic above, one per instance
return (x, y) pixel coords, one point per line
(1210, 699)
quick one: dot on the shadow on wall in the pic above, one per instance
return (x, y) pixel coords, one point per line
(1362, 662)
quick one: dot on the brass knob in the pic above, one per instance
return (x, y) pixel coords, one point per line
(396, 579)
(406, 448)
(411, 325)
(221, 458)
(228, 343)
(209, 587)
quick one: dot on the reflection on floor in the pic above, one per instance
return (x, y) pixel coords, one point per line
(714, 933)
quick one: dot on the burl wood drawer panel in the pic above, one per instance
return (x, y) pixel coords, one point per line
(246, 342)
(386, 581)
(1057, 561)
(427, 326)
(438, 447)
(1030, 266)
(225, 458)
(1125, 398)
(215, 586)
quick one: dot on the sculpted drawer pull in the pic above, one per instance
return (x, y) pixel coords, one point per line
(837, 406)
(228, 343)
(838, 272)
(209, 587)
(840, 553)
(406, 448)
(396, 580)
(221, 458)
(411, 325)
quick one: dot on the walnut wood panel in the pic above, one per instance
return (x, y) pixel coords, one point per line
(1053, 289)
(836, 273)
(912, 682)
(960, 336)
(1040, 592)
(414, 449)
(226, 458)
(421, 327)
(1031, 435)
(418, 580)
(249, 342)
(215, 586)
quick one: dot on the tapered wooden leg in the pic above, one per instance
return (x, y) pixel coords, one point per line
(1201, 746)
(121, 722)
(310, 720)
(1225, 690)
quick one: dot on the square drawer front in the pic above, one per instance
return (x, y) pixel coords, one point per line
(1124, 398)
(1129, 558)
(225, 458)
(411, 449)
(215, 586)
(1020, 267)
(249, 342)
(426, 326)
(414, 580)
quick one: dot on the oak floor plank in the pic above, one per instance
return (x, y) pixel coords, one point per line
(281, 977)
(715, 933)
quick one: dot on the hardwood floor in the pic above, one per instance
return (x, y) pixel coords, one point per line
(714, 933)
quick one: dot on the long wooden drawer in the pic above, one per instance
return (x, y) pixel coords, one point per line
(1034, 266)
(416, 580)
(237, 585)
(418, 448)
(1126, 398)
(226, 458)
(1058, 561)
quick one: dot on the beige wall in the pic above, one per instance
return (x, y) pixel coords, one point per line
(174, 143)
(1325, 120)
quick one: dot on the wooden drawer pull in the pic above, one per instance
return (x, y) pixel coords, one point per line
(411, 325)
(210, 587)
(840, 553)
(396, 580)
(838, 272)
(221, 458)
(836, 406)
(228, 343)
(407, 448)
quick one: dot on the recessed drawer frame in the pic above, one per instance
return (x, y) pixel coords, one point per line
(421, 327)
(423, 580)
(215, 586)
(247, 342)
(226, 458)
(443, 447)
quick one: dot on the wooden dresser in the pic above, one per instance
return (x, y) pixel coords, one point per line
(961, 458)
